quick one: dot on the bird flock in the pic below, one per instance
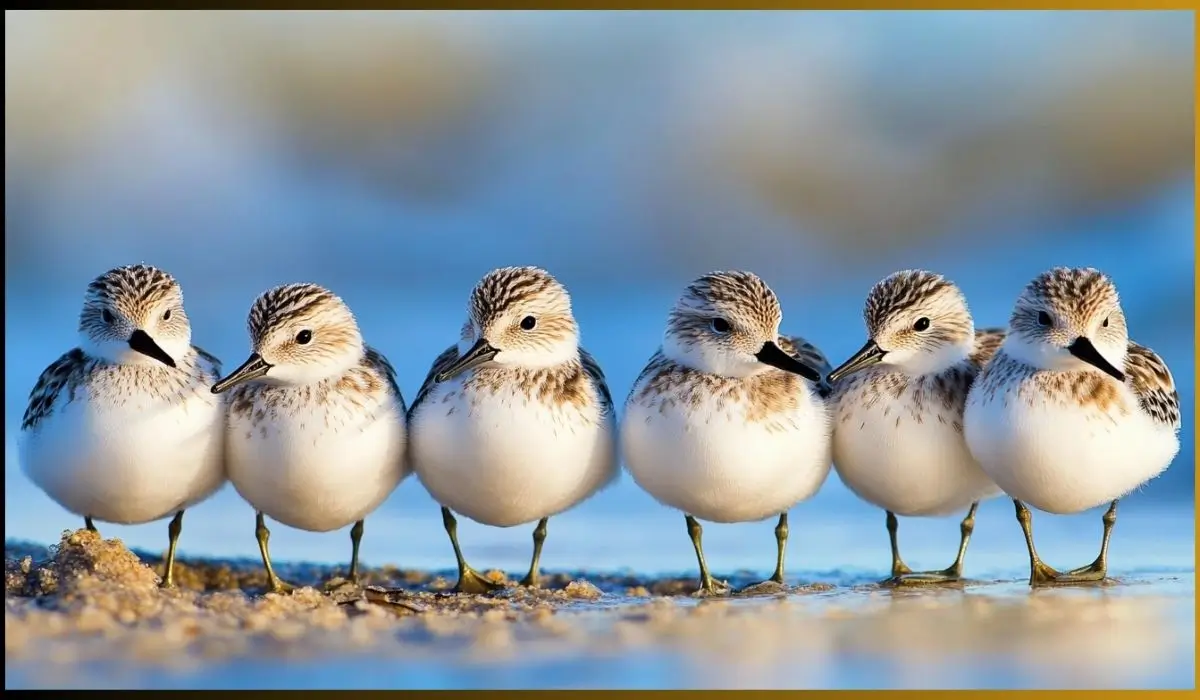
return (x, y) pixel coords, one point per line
(729, 421)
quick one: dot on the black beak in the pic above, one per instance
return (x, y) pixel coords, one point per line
(1084, 350)
(252, 368)
(143, 343)
(479, 353)
(869, 354)
(772, 355)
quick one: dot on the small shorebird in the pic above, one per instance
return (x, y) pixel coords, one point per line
(1072, 414)
(122, 429)
(727, 422)
(898, 409)
(514, 424)
(316, 420)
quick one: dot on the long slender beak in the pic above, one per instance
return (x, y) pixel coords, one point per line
(869, 354)
(141, 342)
(479, 353)
(252, 368)
(772, 355)
(1084, 350)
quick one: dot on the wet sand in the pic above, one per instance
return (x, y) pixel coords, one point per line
(89, 613)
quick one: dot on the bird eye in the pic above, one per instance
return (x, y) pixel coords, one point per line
(528, 323)
(304, 337)
(922, 324)
(720, 325)
(107, 316)
(1105, 324)
(1044, 319)
(167, 315)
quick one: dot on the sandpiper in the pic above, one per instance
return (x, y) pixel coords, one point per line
(514, 423)
(1072, 414)
(727, 422)
(123, 429)
(316, 420)
(898, 409)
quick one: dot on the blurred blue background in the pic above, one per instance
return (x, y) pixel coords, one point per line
(397, 157)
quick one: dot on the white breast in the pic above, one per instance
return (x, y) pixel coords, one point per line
(318, 467)
(1063, 458)
(128, 458)
(505, 458)
(910, 464)
(713, 463)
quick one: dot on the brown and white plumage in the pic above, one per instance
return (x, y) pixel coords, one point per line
(944, 391)
(1152, 383)
(579, 383)
(1071, 413)
(771, 398)
(123, 428)
(898, 403)
(317, 429)
(721, 423)
(64, 380)
(987, 342)
(515, 423)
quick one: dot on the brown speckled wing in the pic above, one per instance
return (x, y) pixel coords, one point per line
(1151, 381)
(376, 362)
(597, 377)
(655, 365)
(952, 386)
(56, 385)
(208, 362)
(810, 355)
(442, 362)
(987, 342)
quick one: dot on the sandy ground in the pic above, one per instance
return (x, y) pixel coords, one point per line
(92, 606)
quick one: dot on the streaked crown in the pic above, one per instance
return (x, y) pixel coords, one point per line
(1073, 297)
(305, 331)
(721, 321)
(134, 295)
(914, 313)
(1064, 304)
(132, 298)
(525, 314)
(740, 298)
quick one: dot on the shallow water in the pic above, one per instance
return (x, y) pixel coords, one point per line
(839, 630)
(1137, 633)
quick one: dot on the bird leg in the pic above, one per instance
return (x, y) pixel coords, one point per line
(539, 537)
(903, 576)
(708, 585)
(469, 580)
(356, 534)
(173, 532)
(274, 583)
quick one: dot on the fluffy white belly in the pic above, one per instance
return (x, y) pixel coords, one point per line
(306, 475)
(505, 460)
(717, 466)
(912, 469)
(1061, 460)
(129, 461)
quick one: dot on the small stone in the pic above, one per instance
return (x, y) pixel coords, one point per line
(580, 589)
